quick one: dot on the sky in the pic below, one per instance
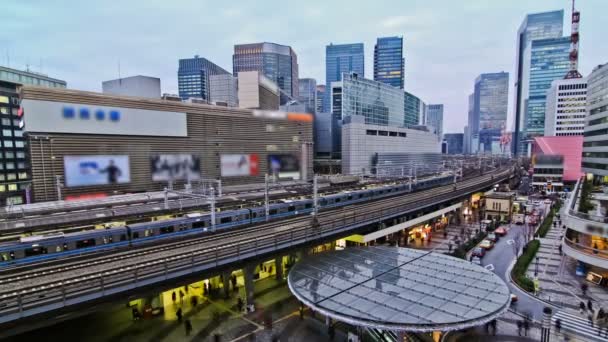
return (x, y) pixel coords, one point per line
(447, 43)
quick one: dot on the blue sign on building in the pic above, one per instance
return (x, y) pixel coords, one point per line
(85, 114)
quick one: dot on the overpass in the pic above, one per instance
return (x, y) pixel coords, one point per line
(53, 288)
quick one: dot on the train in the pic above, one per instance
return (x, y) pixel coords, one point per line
(46, 247)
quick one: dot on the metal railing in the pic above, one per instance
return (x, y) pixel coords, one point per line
(593, 252)
(30, 300)
(574, 212)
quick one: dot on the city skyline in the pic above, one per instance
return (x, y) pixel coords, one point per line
(439, 68)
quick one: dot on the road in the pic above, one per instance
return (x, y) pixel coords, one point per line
(501, 257)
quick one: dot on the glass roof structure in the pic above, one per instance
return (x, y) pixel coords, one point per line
(399, 289)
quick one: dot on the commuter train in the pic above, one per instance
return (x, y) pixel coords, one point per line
(46, 247)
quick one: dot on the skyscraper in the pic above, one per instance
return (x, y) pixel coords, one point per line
(434, 119)
(308, 94)
(413, 108)
(388, 61)
(320, 98)
(193, 77)
(340, 59)
(535, 26)
(549, 61)
(490, 107)
(565, 109)
(595, 142)
(278, 63)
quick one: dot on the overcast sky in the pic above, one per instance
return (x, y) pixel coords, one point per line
(447, 43)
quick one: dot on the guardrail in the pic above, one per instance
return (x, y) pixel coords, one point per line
(594, 252)
(31, 300)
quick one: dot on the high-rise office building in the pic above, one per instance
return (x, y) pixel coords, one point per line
(223, 90)
(595, 141)
(389, 63)
(308, 94)
(549, 61)
(454, 142)
(320, 98)
(193, 77)
(413, 108)
(490, 106)
(342, 59)
(140, 86)
(434, 119)
(255, 91)
(278, 63)
(535, 26)
(565, 109)
(15, 172)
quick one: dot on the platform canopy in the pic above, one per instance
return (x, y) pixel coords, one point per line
(399, 289)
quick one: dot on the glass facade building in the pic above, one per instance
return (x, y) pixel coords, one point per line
(455, 143)
(389, 62)
(223, 90)
(434, 119)
(413, 108)
(549, 61)
(308, 94)
(193, 77)
(595, 140)
(278, 63)
(342, 59)
(535, 26)
(490, 107)
(320, 98)
(15, 175)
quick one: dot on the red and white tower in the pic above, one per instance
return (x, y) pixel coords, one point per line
(574, 37)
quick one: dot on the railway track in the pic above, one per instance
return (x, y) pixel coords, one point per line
(57, 283)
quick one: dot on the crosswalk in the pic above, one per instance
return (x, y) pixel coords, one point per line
(579, 326)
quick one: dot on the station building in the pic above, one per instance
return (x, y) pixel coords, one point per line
(83, 143)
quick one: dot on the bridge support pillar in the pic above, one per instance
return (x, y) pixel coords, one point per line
(278, 264)
(226, 284)
(545, 330)
(248, 272)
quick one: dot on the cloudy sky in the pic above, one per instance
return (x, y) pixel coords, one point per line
(447, 43)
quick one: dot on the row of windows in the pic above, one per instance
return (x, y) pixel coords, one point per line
(596, 132)
(12, 165)
(570, 104)
(8, 111)
(581, 110)
(570, 117)
(12, 155)
(573, 86)
(598, 121)
(8, 99)
(9, 122)
(598, 110)
(9, 133)
(595, 166)
(573, 93)
(578, 128)
(548, 171)
(595, 143)
(595, 154)
(13, 176)
(565, 134)
(385, 133)
(571, 99)
(12, 143)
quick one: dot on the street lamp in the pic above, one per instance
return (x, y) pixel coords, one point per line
(536, 267)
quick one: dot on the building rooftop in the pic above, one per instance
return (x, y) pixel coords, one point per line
(402, 289)
(570, 147)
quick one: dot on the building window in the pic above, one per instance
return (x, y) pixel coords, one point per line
(7, 133)
(21, 165)
(371, 132)
(10, 166)
(12, 187)
(11, 176)
(18, 133)
(14, 199)
(383, 133)
(21, 155)
(22, 175)
(2, 188)
(8, 143)
(19, 144)
(9, 155)
(4, 99)
(3, 110)
(6, 122)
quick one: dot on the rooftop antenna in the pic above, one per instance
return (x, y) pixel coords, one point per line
(574, 37)
(119, 79)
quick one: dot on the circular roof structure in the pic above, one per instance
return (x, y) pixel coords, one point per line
(400, 289)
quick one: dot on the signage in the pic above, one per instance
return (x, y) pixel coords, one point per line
(85, 196)
(284, 166)
(167, 167)
(239, 165)
(96, 170)
(65, 117)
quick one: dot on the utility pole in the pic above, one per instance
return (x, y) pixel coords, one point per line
(266, 204)
(315, 189)
(212, 209)
(59, 186)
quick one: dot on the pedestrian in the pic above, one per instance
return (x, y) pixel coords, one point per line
(239, 304)
(582, 307)
(181, 297)
(193, 301)
(493, 323)
(186, 288)
(560, 249)
(173, 297)
(584, 288)
(589, 305)
(332, 332)
(178, 313)
(526, 326)
(449, 247)
(590, 317)
(558, 325)
(188, 327)
(519, 326)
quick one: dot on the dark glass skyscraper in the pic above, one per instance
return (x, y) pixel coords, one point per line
(193, 77)
(278, 63)
(535, 26)
(340, 59)
(490, 107)
(388, 61)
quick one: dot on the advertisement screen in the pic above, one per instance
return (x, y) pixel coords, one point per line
(239, 165)
(166, 167)
(284, 166)
(96, 170)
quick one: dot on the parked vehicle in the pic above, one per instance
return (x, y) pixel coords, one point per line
(479, 252)
(500, 231)
(487, 244)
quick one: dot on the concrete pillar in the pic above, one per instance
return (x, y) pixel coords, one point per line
(249, 288)
(278, 265)
(545, 332)
(226, 283)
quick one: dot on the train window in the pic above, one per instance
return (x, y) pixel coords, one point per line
(246, 216)
(65, 246)
(199, 224)
(273, 211)
(165, 230)
(123, 237)
(105, 240)
(147, 232)
(4, 257)
(111, 239)
(183, 227)
(136, 235)
(308, 205)
(291, 208)
(337, 200)
(12, 255)
(226, 219)
(254, 215)
(323, 202)
(85, 243)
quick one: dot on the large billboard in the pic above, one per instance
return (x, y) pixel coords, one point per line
(169, 167)
(96, 170)
(239, 165)
(284, 166)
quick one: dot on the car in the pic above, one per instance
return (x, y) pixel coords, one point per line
(476, 260)
(492, 237)
(500, 231)
(514, 298)
(479, 252)
(486, 244)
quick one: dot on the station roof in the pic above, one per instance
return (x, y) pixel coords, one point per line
(401, 289)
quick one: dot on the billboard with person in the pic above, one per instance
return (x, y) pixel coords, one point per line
(284, 166)
(239, 165)
(96, 170)
(170, 167)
